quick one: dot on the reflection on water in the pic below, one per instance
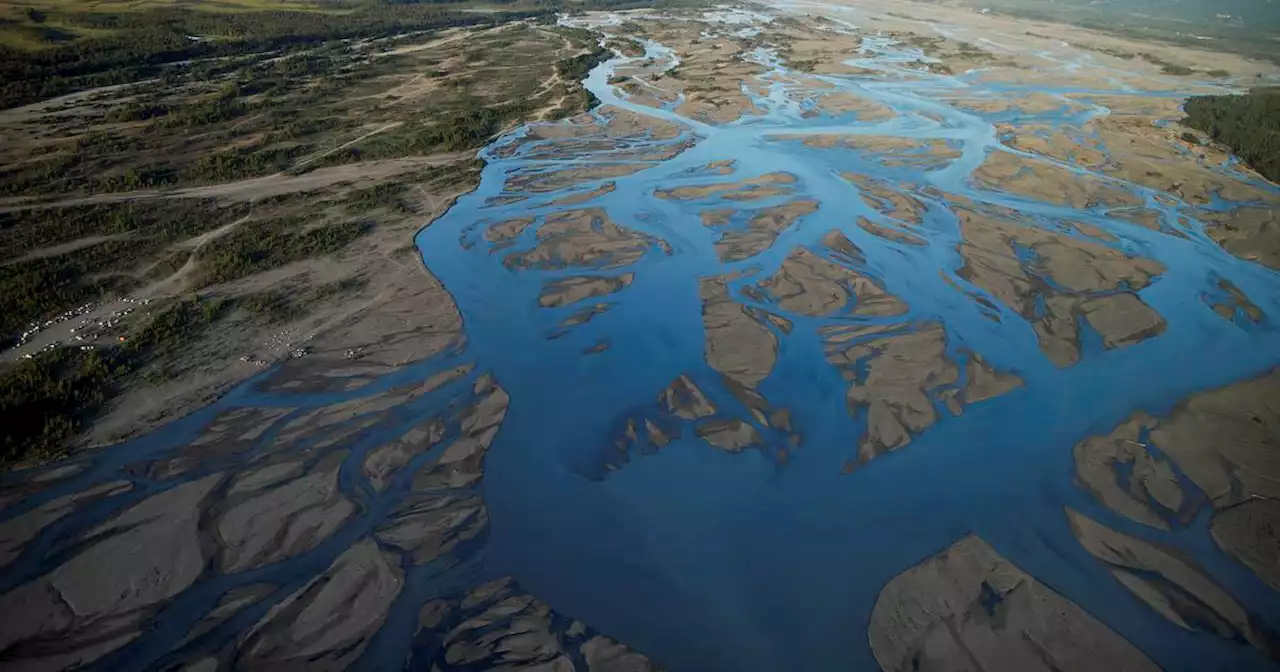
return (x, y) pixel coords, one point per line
(717, 384)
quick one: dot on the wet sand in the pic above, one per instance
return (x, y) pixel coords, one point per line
(807, 353)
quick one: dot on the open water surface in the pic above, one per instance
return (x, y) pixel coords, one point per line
(707, 560)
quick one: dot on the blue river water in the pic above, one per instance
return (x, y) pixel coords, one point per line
(710, 560)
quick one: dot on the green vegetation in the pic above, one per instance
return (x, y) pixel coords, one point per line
(138, 44)
(392, 195)
(1165, 66)
(575, 68)
(68, 46)
(971, 51)
(626, 47)
(177, 326)
(1191, 24)
(232, 112)
(35, 286)
(119, 246)
(256, 119)
(169, 263)
(923, 42)
(33, 289)
(274, 306)
(262, 245)
(633, 28)
(283, 305)
(48, 399)
(220, 92)
(468, 128)
(1249, 124)
(935, 48)
(151, 222)
(471, 123)
(1126, 55)
(222, 120)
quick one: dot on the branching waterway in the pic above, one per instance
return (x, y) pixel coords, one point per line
(717, 383)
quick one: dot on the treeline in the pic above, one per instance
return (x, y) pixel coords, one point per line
(31, 290)
(133, 237)
(285, 304)
(259, 246)
(626, 47)
(470, 127)
(38, 286)
(145, 43)
(277, 94)
(576, 68)
(1249, 124)
(142, 43)
(470, 123)
(474, 125)
(48, 399)
(23, 231)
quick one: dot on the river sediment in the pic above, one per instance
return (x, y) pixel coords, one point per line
(796, 353)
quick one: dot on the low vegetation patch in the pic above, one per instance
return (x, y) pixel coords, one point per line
(259, 246)
(287, 304)
(626, 47)
(122, 236)
(48, 399)
(1249, 124)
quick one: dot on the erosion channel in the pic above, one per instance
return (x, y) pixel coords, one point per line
(799, 351)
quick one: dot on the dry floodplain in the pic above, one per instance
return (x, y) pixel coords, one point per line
(838, 335)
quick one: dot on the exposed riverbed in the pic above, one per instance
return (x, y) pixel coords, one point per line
(716, 385)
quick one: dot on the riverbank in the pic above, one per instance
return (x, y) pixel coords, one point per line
(737, 377)
(293, 249)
